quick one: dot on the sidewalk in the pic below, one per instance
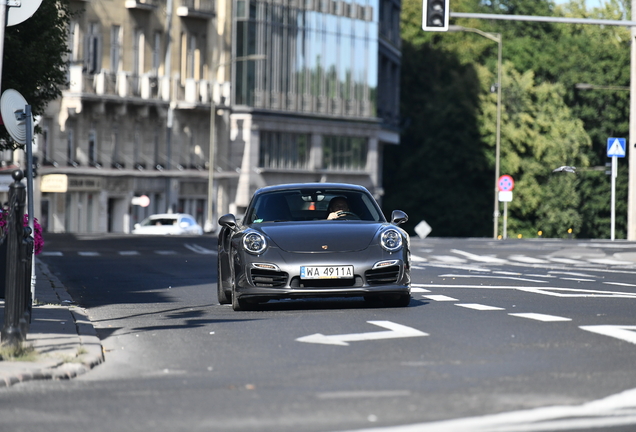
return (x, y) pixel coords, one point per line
(60, 332)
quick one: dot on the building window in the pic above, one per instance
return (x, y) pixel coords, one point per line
(93, 49)
(344, 153)
(115, 48)
(138, 52)
(280, 150)
(70, 148)
(156, 54)
(92, 149)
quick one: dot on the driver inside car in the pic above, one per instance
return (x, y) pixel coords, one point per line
(338, 208)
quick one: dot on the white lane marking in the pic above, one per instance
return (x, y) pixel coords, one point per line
(439, 298)
(566, 260)
(478, 306)
(51, 253)
(128, 253)
(88, 253)
(601, 414)
(200, 249)
(480, 258)
(395, 331)
(527, 260)
(492, 277)
(540, 317)
(449, 259)
(571, 293)
(420, 290)
(572, 274)
(550, 291)
(578, 279)
(543, 276)
(619, 284)
(416, 258)
(169, 252)
(626, 333)
(610, 261)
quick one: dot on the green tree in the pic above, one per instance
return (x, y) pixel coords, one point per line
(35, 58)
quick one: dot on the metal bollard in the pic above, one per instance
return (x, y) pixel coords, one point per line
(14, 296)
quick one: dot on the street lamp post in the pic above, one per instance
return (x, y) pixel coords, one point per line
(210, 224)
(495, 37)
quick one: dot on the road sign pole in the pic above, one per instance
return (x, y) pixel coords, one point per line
(505, 221)
(614, 175)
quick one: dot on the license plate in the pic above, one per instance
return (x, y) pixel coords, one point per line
(326, 272)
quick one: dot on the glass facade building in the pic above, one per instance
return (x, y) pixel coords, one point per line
(319, 56)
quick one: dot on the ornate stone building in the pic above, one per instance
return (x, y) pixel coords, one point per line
(297, 90)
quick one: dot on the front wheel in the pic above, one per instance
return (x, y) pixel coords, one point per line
(220, 292)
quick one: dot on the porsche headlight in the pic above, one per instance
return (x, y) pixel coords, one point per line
(391, 240)
(254, 242)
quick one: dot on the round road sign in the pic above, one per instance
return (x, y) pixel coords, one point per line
(506, 183)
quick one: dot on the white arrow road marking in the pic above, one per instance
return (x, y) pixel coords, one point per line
(200, 249)
(395, 331)
(626, 333)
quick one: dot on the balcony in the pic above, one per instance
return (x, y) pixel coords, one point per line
(107, 85)
(201, 9)
(145, 5)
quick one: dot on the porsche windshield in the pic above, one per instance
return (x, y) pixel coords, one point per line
(311, 205)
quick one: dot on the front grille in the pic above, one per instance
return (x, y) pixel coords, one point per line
(297, 282)
(268, 278)
(382, 275)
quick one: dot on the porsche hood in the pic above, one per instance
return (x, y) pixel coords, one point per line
(321, 237)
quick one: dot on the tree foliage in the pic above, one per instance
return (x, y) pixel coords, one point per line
(548, 120)
(35, 54)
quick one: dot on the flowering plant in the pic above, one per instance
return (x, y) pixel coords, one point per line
(38, 240)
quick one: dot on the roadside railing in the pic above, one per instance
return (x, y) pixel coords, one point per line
(17, 243)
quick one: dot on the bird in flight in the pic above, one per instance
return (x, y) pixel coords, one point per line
(565, 168)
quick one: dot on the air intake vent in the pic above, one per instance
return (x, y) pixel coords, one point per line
(268, 278)
(382, 275)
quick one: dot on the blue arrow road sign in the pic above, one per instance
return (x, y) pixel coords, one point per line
(616, 147)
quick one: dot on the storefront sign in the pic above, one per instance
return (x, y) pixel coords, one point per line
(54, 183)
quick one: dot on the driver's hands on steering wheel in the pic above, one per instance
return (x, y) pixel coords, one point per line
(339, 214)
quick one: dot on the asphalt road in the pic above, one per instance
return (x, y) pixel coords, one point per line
(542, 329)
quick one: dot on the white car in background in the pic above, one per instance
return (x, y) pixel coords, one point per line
(168, 224)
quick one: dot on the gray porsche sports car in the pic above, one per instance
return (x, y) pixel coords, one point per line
(313, 240)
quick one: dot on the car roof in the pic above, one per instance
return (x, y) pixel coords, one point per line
(168, 215)
(291, 186)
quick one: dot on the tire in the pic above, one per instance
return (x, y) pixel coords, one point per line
(237, 305)
(220, 292)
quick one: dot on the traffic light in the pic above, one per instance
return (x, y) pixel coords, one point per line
(35, 166)
(435, 15)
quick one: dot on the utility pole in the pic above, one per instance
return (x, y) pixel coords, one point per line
(631, 141)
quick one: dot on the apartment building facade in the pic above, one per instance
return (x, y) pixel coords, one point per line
(296, 91)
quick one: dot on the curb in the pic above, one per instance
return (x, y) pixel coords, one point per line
(48, 368)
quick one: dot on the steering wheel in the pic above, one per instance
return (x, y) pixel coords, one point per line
(345, 214)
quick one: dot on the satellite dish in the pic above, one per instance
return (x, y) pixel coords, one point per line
(12, 106)
(16, 15)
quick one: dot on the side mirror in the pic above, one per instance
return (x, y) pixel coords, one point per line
(137, 225)
(229, 221)
(398, 217)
